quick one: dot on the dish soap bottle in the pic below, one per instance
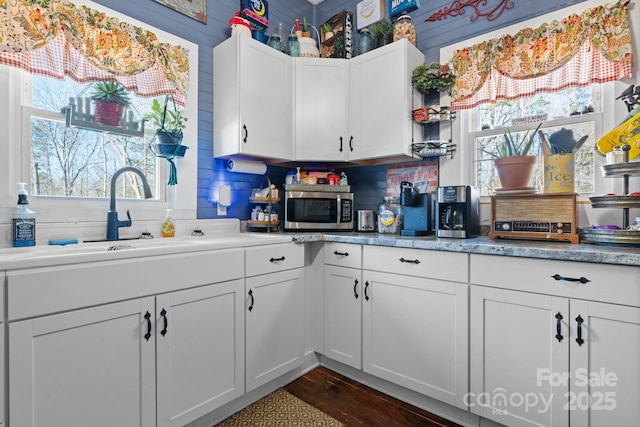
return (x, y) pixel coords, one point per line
(24, 221)
(168, 228)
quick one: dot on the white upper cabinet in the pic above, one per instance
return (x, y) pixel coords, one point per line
(321, 109)
(252, 113)
(380, 102)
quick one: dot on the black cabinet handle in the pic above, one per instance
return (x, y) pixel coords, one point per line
(163, 313)
(571, 279)
(277, 259)
(246, 133)
(148, 334)
(341, 253)
(411, 261)
(355, 289)
(251, 304)
(559, 327)
(580, 320)
(350, 141)
(341, 144)
(366, 286)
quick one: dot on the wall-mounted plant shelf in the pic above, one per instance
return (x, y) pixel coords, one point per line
(78, 115)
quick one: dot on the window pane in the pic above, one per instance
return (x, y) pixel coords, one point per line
(79, 162)
(584, 166)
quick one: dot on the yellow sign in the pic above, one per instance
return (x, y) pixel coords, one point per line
(627, 133)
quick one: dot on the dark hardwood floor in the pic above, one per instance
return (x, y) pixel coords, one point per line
(355, 404)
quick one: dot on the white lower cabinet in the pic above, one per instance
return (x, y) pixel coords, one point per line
(540, 357)
(200, 351)
(90, 367)
(415, 320)
(274, 314)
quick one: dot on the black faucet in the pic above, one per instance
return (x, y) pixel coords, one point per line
(113, 225)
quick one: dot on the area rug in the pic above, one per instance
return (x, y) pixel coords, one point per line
(281, 409)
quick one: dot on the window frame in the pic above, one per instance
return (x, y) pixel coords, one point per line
(15, 139)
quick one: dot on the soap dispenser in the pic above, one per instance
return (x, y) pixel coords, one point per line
(168, 228)
(24, 221)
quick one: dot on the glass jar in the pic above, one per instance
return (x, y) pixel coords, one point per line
(636, 225)
(404, 29)
(389, 216)
(365, 41)
(293, 46)
(275, 42)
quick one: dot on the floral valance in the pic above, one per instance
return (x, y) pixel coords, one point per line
(57, 39)
(593, 47)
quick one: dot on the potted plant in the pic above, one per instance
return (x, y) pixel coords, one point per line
(327, 29)
(169, 123)
(109, 99)
(433, 76)
(512, 160)
(382, 32)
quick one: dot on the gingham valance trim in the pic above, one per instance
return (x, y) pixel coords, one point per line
(594, 47)
(58, 39)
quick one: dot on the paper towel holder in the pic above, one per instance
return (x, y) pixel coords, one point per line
(246, 166)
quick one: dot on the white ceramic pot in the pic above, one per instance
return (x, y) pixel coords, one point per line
(308, 47)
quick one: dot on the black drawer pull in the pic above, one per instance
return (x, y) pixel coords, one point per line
(341, 144)
(559, 336)
(277, 259)
(350, 143)
(580, 320)
(341, 253)
(411, 261)
(147, 316)
(163, 313)
(246, 133)
(355, 289)
(366, 286)
(571, 279)
(251, 296)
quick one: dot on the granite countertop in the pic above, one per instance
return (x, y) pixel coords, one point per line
(603, 254)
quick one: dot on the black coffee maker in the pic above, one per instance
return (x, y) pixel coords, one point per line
(457, 211)
(416, 210)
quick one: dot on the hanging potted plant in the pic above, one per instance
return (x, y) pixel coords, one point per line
(109, 100)
(433, 76)
(512, 160)
(167, 140)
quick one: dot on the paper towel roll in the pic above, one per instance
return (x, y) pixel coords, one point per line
(246, 166)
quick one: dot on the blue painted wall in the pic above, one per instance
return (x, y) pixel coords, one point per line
(368, 181)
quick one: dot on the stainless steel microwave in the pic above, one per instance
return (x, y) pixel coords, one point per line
(318, 210)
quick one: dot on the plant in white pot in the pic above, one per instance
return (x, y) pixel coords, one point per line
(167, 140)
(512, 160)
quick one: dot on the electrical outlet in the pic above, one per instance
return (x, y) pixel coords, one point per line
(222, 210)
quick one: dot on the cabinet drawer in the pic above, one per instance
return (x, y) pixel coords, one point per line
(617, 284)
(343, 254)
(417, 262)
(40, 291)
(273, 258)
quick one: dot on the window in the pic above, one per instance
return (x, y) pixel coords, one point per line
(77, 162)
(576, 109)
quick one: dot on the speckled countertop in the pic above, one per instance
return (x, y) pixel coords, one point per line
(603, 254)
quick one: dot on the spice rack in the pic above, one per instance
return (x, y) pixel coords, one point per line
(429, 117)
(622, 170)
(268, 224)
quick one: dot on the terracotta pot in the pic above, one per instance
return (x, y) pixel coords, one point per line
(515, 171)
(107, 113)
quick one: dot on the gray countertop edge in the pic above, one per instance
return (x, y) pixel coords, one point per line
(598, 254)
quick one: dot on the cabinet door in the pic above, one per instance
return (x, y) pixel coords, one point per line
(415, 334)
(252, 100)
(91, 367)
(274, 325)
(200, 342)
(518, 354)
(343, 315)
(321, 109)
(381, 100)
(605, 369)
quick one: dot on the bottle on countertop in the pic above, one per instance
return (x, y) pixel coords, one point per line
(168, 227)
(24, 221)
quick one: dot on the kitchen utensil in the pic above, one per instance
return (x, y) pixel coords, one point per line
(563, 141)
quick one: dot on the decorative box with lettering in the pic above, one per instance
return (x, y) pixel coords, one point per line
(396, 7)
(256, 12)
(341, 43)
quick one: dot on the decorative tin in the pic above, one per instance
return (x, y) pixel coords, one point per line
(256, 11)
(396, 7)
